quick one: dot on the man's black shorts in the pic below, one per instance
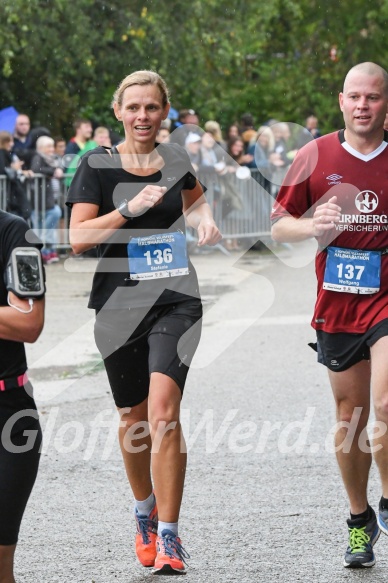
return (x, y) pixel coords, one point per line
(136, 342)
(340, 351)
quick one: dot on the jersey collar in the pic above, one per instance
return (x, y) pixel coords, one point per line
(356, 154)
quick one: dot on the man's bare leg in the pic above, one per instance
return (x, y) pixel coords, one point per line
(351, 389)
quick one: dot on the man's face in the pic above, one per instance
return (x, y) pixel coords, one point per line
(86, 130)
(191, 118)
(22, 125)
(364, 104)
(103, 139)
(60, 148)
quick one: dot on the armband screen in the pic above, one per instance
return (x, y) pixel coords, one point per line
(24, 274)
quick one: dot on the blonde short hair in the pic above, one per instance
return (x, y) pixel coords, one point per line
(266, 130)
(213, 127)
(141, 78)
(100, 130)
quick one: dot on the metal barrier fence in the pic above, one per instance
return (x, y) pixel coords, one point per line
(241, 207)
(3, 192)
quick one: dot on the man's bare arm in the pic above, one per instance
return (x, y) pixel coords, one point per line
(290, 230)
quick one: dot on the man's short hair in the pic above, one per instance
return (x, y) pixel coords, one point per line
(369, 68)
(78, 123)
(185, 112)
(247, 119)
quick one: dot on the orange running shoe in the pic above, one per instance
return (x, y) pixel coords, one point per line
(147, 528)
(171, 556)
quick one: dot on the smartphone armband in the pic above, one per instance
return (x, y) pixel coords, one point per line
(24, 275)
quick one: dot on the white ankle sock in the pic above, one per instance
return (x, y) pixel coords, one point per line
(144, 507)
(173, 526)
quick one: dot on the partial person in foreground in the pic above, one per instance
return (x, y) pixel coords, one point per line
(133, 201)
(337, 191)
(21, 320)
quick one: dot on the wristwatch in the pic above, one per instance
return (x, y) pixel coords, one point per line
(123, 209)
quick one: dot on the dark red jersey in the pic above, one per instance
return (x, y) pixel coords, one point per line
(329, 167)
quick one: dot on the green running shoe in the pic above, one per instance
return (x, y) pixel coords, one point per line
(362, 537)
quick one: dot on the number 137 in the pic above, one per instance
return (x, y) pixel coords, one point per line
(348, 271)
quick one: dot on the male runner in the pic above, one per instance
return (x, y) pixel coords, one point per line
(339, 195)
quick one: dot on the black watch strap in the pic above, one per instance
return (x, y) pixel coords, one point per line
(123, 210)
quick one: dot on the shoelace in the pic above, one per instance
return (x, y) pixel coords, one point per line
(146, 525)
(174, 549)
(358, 539)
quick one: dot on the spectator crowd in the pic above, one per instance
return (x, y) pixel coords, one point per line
(264, 151)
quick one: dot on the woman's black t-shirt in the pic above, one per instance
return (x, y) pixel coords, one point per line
(101, 180)
(12, 234)
(12, 354)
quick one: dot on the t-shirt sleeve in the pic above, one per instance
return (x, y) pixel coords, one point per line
(190, 181)
(294, 196)
(86, 184)
(191, 176)
(16, 233)
(186, 170)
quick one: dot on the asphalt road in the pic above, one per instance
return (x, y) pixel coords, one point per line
(263, 499)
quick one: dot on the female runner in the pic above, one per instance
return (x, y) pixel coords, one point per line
(21, 320)
(133, 201)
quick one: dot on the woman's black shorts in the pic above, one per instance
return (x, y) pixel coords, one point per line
(138, 341)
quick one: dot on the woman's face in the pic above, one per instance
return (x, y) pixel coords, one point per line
(47, 150)
(163, 136)
(237, 148)
(233, 132)
(8, 145)
(263, 139)
(141, 112)
(207, 141)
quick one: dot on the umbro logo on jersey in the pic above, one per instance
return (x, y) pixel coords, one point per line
(334, 179)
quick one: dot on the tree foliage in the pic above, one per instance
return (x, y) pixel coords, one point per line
(282, 59)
